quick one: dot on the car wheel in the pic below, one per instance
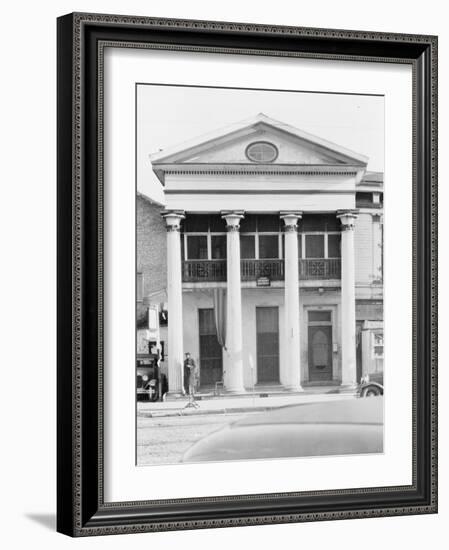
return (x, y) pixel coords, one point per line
(370, 391)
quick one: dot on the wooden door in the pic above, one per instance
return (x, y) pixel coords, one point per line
(320, 353)
(267, 327)
(211, 357)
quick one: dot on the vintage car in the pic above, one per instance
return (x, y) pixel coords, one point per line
(372, 384)
(348, 426)
(150, 384)
(145, 373)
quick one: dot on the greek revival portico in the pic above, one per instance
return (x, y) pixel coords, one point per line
(261, 167)
(233, 355)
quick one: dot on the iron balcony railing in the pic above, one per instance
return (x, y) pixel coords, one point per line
(329, 268)
(251, 270)
(196, 271)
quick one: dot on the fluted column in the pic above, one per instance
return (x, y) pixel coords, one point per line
(291, 301)
(348, 325)
(174, 293)
(233, 359)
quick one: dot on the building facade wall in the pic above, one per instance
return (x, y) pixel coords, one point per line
(151, 262)
(310, 299)
(151, 250)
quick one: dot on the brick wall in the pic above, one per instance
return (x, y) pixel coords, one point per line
(151, 252)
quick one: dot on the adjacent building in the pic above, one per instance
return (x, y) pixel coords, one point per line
(267, 257)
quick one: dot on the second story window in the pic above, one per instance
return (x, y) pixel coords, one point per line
(314, 246)
(197, 247)
(260, 237)
(268, 246)
(218, 247)
(333, 245)
(203, 237)
(247, 247)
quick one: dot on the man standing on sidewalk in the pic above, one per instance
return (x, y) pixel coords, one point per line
(190, 375)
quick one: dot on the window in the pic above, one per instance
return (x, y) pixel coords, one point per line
(320, 317)
(204, 237)
(333, 246)
(247, 247)
(218, 247)
(262, 151)
(268, 246)
(378, 344)
(197, 247)
(314, 246)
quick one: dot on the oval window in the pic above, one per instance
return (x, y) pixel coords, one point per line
(262, 151)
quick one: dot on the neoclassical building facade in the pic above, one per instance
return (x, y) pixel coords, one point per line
(274, 259)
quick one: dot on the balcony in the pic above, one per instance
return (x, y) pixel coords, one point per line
(201, 271)
(197, 271)
(251, 270)
(329, 268)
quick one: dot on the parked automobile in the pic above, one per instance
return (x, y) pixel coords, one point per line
(372, 384)
(150, 384)
(350, 426)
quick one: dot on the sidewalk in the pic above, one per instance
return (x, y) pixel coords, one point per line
(235, 404)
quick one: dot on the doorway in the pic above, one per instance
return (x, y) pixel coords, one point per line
(267, 327)
(211, 357)
(320, 346)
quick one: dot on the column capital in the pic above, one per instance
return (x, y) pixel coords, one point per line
(347, 218)
(173, 219)
(232, 218)
(290, 219)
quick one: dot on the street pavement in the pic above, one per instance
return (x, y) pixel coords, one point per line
(233, 404)
(164, 440)
(165, 430)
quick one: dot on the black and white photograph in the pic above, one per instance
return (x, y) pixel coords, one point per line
(259, 274)
(220, 267)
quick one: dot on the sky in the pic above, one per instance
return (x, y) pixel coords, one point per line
(169, 115)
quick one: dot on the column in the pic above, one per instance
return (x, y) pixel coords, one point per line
(291, 301)
(348, 327)
(233, 359)
(174, 293)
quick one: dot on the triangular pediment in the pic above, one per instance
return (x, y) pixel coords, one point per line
(233, 146)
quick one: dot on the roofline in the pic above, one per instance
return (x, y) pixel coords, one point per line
(148, 199)
(162, 156)
(250, 168)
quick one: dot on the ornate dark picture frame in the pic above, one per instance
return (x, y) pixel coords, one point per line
(81, 509)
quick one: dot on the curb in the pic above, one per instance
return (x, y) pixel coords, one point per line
(199, 412)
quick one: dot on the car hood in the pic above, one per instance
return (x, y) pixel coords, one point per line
(316, 429)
